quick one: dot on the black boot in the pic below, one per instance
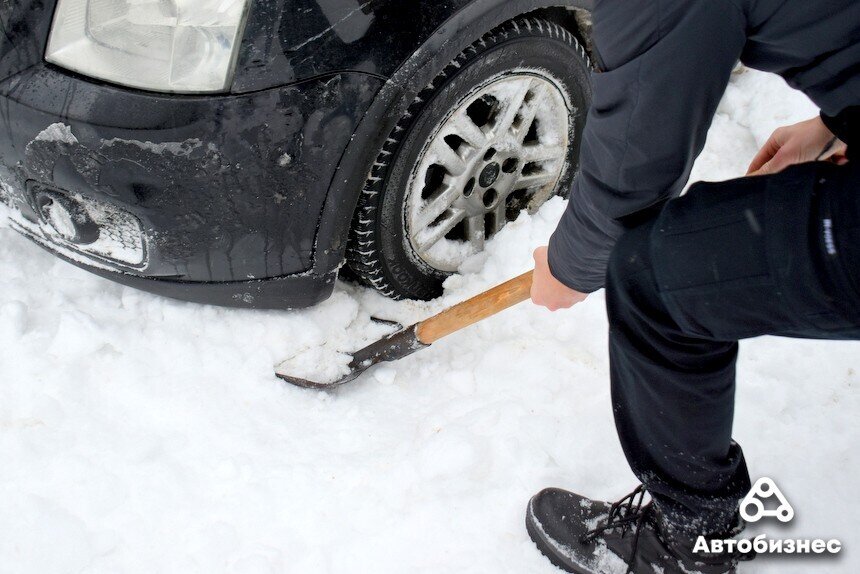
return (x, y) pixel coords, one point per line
(594, 537)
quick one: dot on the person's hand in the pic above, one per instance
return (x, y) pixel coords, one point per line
(549, 292)
(800, 143)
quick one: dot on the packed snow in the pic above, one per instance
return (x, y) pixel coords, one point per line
(141, 434)
(57, 132)
(320, 364)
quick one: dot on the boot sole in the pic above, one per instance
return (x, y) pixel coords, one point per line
(547, 548)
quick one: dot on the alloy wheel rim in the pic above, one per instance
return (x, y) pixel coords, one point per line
(503, 148)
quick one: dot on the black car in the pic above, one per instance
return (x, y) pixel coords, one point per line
(240, 152)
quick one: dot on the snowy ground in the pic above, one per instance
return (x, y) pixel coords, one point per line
(140, 434)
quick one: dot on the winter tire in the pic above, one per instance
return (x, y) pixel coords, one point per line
(497, 131)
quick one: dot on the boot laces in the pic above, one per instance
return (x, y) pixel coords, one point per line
(628, 514)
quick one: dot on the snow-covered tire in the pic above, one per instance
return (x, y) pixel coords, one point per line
(523, 57)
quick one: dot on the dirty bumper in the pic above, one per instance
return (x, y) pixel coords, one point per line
(211, 199)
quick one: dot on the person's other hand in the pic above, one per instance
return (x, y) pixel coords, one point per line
(549, 292)
(800, 143)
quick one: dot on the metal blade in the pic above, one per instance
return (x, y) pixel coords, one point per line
(390, 348)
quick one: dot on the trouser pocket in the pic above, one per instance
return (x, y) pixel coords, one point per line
(734, 259)
(836, 225)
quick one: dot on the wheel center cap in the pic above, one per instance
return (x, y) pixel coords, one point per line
(489, 174)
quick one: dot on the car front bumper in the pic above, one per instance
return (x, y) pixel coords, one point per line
(215, 199)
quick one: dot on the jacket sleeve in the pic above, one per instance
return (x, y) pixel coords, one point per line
(846, 126)
(664, 66)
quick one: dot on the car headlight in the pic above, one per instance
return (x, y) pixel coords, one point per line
(161, 45)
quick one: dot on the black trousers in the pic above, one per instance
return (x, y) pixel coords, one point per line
(775, 255)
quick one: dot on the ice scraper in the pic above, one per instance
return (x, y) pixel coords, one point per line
(420, 335)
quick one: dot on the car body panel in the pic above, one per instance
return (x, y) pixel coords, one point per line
(227, 188)
(290, 40)
(28, 23)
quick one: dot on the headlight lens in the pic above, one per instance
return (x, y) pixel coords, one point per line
(161, 45)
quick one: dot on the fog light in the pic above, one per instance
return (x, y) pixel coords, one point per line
(90, 227)
(67, 218)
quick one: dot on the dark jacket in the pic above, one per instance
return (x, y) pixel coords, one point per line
(664, 67)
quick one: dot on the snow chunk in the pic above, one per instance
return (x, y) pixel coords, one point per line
(319, 365)
(58, 132)
(385, 374)
(78, 335)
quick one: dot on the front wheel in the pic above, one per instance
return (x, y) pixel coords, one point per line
(495, 133)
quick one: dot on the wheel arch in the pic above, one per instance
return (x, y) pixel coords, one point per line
(424, 64)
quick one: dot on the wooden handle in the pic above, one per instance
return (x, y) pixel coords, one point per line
(475, 309)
